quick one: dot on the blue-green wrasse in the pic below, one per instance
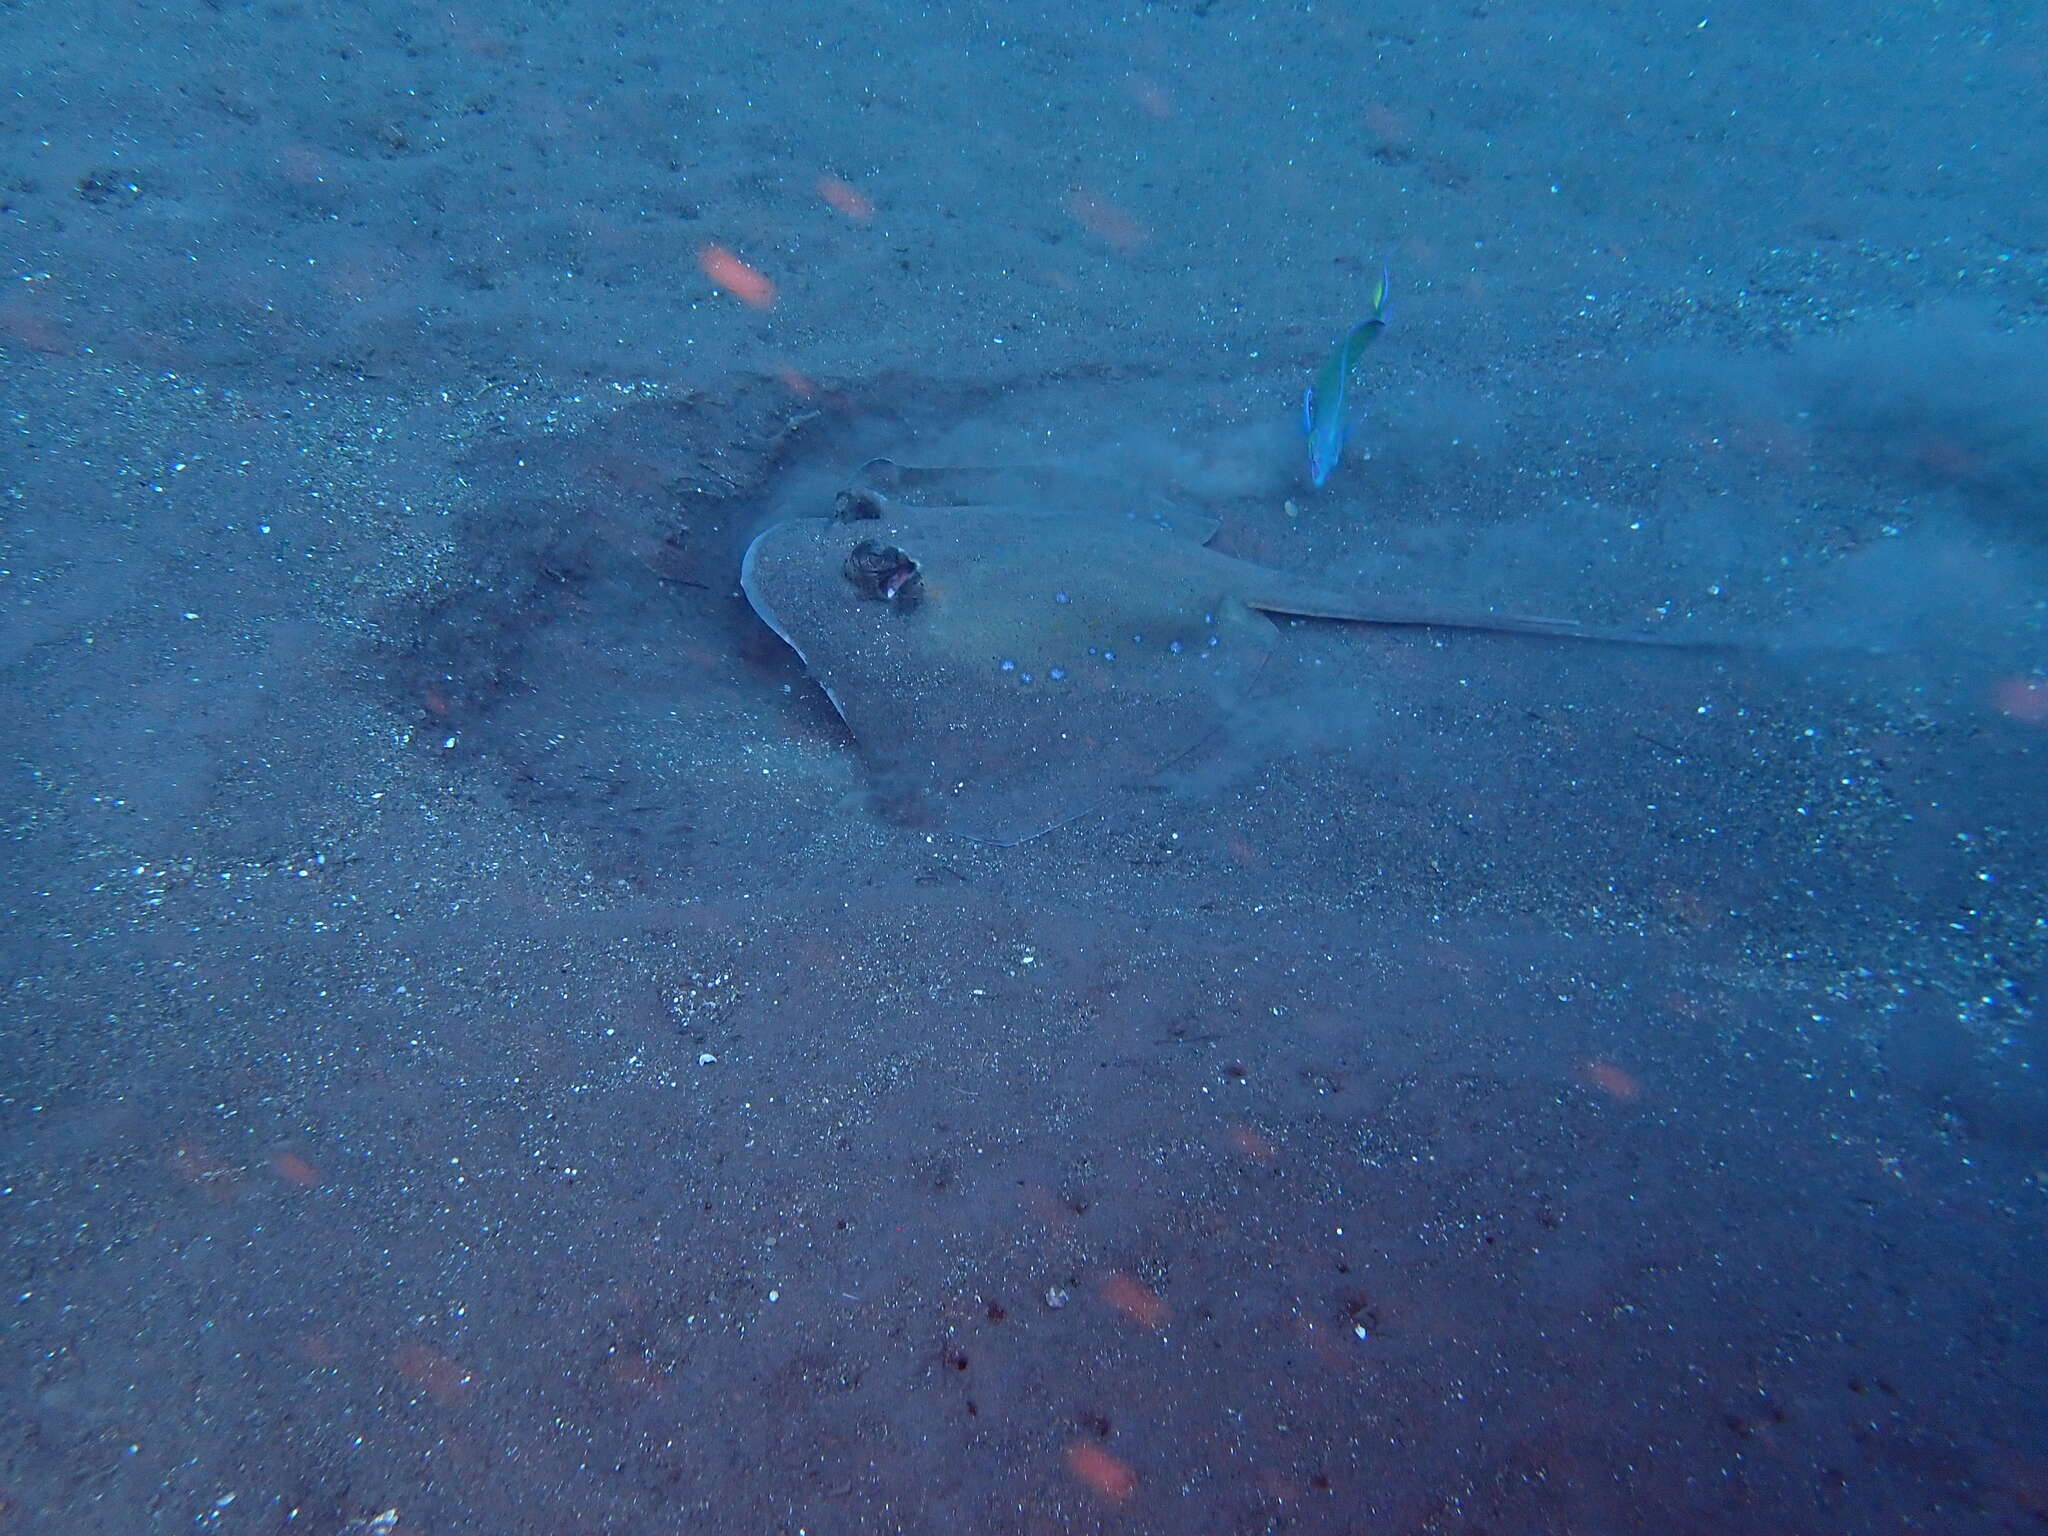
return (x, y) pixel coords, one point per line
(1324, 404)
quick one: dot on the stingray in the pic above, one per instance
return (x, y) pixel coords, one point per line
(1005, 663)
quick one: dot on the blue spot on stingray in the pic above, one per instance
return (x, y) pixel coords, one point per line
(1009, 666)
(1059, 674)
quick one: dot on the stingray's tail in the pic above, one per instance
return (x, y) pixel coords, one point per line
(1291, 596)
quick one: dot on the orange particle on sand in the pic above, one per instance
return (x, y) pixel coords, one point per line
(1606, 1075)
(307, 165)
(440, 1376)
(736, 277)
(2024, 699)
(294, 1169)
(796, 383)
(1387, 125)
(1151, 99)
(1106, 222)
(636, 1373)
(1251, 1144)
(1101, 1471)
(845, 199)
(1135, 1300)
(36, 332)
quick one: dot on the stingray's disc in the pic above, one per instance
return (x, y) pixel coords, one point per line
(1047, 660)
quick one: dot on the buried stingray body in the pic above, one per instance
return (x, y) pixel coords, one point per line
(1006, 667)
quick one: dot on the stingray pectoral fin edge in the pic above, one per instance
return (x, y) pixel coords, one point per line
(765, 612)
(749, 584)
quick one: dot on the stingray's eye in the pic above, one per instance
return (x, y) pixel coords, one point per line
(883, 571)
